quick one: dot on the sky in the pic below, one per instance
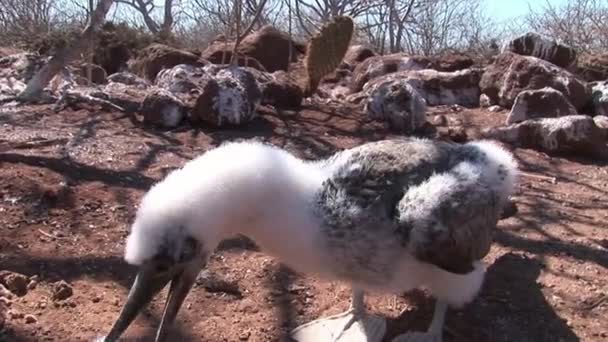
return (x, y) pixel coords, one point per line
(508, 9)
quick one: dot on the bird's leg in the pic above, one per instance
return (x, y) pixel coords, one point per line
(435, 330)
(353, 325)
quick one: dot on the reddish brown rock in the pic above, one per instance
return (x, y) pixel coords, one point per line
(510, 74)
(268, 46)
(357, 54)
(545, 48)
(14, 282)
(221, 53)
(157, 57)
(593, 67)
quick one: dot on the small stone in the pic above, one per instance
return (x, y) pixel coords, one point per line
(244, 336)
(15, 282)
(440, 120)
(30, 319)
(5, 293)
(32, 284)
(15, 314)
(495, 108)
(5, 302)
(96, 299)
(62, 290)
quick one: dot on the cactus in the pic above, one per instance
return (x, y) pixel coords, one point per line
(326, 50)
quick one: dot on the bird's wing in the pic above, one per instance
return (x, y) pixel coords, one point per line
(451, 217)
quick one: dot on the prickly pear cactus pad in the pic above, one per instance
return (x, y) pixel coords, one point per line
(326, 50)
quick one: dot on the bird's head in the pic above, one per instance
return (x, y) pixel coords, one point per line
(166, 250)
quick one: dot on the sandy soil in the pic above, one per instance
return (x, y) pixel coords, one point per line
(70, 183)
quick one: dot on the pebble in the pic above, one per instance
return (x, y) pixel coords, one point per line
(244, 336)
(15, 282)
(5, 293)
(30, 319)
(15, 314)
(62, 290)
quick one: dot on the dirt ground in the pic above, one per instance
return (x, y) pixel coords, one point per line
(70, 183)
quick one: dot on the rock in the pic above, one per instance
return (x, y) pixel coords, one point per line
(539, 103)
(157, 57)
(162, 108)
(98, 74)
(599, 98)
(511, 74)
(574, 134)
(398, 104)
(30, 319)
(14, 314)
(182, 79)
(4, 292)
(357, 54)
(485, 101)
(230, 97)
(22, 66)
(62, 290)
(127, 97)
(221, 53)
(536, 45)
(593, 67)
(438, 87)
(17, 70)
(130, 79)
(269, 46)
(601, 121)
(495, 109)
(281, 90)
(378, 66)
(14, 282)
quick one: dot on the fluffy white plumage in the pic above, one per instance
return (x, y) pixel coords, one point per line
(266, 193)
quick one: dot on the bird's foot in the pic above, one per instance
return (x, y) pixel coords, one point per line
(418, 337)
(347, 326)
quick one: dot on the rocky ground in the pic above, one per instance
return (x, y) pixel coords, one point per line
(70, 183)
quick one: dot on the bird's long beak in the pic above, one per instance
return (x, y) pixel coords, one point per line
(147, 284)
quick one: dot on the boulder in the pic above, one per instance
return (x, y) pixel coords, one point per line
(229, 98)
(161, 108)
(221, 53)
(601, 121)
(511, 74)
(357, 54)
(599, 98)
(592, 67)
(545, 48)
(574, 134)
(540, 103)
(378, 66)
(269, 46)
(129, 97)
(396, 103)
(485, 101)
(281, 90)
(440, 87)
(157, 57)
(216, 95)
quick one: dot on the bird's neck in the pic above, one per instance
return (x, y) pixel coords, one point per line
(265, 197)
